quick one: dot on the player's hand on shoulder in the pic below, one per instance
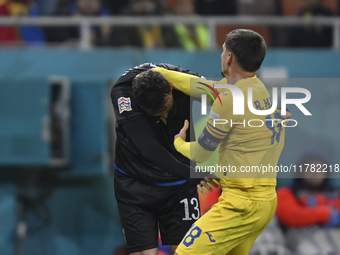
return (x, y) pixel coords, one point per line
(209, 181)
(183, 132)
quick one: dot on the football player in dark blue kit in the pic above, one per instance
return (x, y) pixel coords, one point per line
(153, 188)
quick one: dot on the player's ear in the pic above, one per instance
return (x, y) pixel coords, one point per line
(171, 86)
(230, 58)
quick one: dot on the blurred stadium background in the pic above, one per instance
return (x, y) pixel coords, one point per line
(59, 60)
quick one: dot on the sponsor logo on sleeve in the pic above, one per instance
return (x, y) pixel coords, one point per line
(214, 116)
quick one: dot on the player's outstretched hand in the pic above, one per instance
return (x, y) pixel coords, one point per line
(287, 116)
(209, 180)
(183, 132)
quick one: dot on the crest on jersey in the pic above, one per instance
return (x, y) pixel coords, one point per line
(124, 104)
(214, 116)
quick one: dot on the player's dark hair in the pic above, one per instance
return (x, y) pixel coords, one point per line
(248, 47)
(150, 90)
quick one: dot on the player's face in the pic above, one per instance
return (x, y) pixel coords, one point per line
(224, 61)
(168, 105)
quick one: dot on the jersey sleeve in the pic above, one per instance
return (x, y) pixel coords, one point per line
(188, 84)
(192, 150)
(222, 81)
(176, 68)
(220, 116)
(124, 105)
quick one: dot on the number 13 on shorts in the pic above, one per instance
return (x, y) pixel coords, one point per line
(195, 204)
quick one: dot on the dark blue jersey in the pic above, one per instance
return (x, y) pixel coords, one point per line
(139, 155)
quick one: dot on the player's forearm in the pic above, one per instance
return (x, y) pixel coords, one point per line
(192, 150)
(188, 84)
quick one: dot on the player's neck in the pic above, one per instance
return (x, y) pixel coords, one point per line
(237, 74)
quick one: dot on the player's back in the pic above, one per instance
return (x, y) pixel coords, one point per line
(254, 142)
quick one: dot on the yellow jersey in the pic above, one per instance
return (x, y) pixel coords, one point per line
(251, 144)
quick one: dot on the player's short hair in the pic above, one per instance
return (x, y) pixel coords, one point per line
(248, 47)
(150, 90)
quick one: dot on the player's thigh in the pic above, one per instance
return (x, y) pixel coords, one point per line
(244, 247)
(137, 216)
(229, 222)
(140, 228)
(273, 204)
(178, 214)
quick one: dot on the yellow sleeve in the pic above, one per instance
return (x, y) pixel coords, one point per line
(220, 115)
(192, 150)
(222, 81)
(189, 84)
(182, 146)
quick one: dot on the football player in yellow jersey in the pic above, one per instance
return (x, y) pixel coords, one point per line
(248, 202)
